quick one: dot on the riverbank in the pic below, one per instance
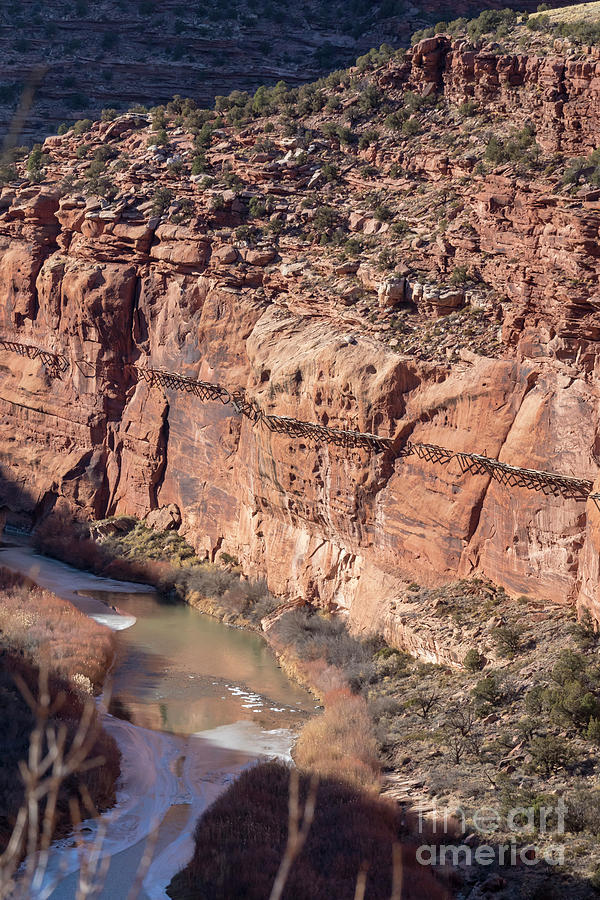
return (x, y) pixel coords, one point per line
(40, 633)
(241, 839)
(498, 727)
(339, 746)
(202, 702)
(315, 650)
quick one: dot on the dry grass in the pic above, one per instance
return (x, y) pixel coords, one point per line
(582, 12)
(320, 653)
(40, 631)
(50, 632)
(18, 723)
(341, 743)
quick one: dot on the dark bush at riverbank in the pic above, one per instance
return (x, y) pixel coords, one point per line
(17, 722)
(38, 628)
(241, 840)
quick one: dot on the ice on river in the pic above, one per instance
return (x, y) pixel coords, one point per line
(69, 583)
(161, 772)
(167, 780)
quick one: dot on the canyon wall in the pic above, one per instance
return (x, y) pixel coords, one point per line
(72, 60)
(343, 527)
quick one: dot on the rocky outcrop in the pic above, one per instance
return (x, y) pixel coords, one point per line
(335, 526)
(560, 95)
(108, 281)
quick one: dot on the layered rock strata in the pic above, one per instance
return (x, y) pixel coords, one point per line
(105, 283)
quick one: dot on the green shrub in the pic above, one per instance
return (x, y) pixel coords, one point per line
(387, 259)
(584, 632)
(345, 135)
(583, 168)
(203, 138)
(573, 697)
(400, 228)
(508, 639)
(177, 167)
(328, 129)
(410, 127)
(36, 162)
(593, 730)
(491, 21)
(473, 661)
(8, 173)
(353, 247)
(257, 208)
(468, 108)
(550, 753)
(370, 98)
(159, 118)
(184, 213)
(81, 126)
(367, 138)
(519, 147)
(330, 172)
(569, 667)
(326, 217)
(199, 164)
(161, 201)
(383, 213)
(460, 275)
(105, 153)
(217, 203)
(395, 120)
(488, 690)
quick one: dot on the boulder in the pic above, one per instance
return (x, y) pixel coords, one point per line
(260, 257)
(165, 518)
(391, 292)
(225, 255)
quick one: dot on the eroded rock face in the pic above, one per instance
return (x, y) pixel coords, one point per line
(339, 527)
(108, 283)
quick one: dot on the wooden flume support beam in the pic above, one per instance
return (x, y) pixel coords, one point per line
(324, 434)
(549, 483)
(532, 479)
(428, 452)
(54, 361)
(204, 390)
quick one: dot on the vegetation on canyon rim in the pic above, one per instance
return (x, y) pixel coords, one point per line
(355, 133)
(40, 632)
(156, 45)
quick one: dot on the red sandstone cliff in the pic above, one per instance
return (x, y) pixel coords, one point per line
(106, 282)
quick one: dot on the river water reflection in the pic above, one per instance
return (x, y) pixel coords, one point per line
(194, 702)
(182, 671)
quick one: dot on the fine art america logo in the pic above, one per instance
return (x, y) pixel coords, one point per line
(513, 831)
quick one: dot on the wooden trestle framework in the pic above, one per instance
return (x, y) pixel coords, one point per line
(549, 483)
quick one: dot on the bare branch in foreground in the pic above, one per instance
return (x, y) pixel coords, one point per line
(299, 826)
